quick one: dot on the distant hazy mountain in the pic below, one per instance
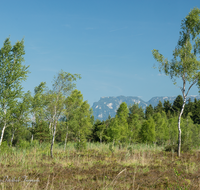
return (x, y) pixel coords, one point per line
(108, 105)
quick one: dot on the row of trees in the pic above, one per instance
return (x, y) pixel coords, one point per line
(51, 113)
(38, 116)
(156, 125)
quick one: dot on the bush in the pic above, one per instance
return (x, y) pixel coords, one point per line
(80, 145)
(23, 144)
(4, 147)
(184, 147)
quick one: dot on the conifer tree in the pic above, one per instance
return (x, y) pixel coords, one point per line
(177, 105)
(159, 108)
(149, 112)
(135, 109)
(167, 108)
(196, 112)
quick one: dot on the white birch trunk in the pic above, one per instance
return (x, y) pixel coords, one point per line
(13, 133)
(32, 138)
(66, 139)
(2, 133)
(54, 130)
(53, 139)
(179, 128)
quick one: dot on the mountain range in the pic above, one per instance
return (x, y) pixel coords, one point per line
(108, 105)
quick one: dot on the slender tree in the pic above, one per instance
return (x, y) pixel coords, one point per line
(159, 108)
(184, 64)
(20, 114)
(149, 111)
(79, 119)
(12, 74)
(38, 103)
(63, 84)
(167, 108)
(122, 113)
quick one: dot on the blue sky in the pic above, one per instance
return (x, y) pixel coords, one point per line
(108, 42)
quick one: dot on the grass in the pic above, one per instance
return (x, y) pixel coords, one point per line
(100, 166)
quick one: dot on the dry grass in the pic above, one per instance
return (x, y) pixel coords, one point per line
(98, 167)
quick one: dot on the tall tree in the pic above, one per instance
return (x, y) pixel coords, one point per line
(122, 113)
(63, 84)
(159, 108)
(79, 118)
(135, 109)
(12, 74)
(161, 129)
(189, 107)
(147, 131)
(184, 64)
(20, 114)
(177, 105)
(134, 128)
(167, 108)
(38, 103)
(149, 111)
(195, 113)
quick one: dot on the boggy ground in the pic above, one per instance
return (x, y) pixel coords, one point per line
(99, 168)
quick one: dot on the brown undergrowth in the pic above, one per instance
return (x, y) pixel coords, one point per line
(99, 168)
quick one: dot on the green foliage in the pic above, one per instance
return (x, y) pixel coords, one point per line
(4, 147)
(161, 130)
(99, 130)
(12, 74)
(167, 108)
(23, 144)
(113, 131)
(134, 128)
(189, 108)
(122, 113)
(79, 118)
(177, 105)
(173, 130)
(42, 132)
(184, 64)
(195, 112)
(159, 108)
(147, 132)
(81, 142)
(135, 109)
(149, 111)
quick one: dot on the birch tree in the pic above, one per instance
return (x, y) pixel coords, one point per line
(184, 64)
(63, 84)
(12, 74)
(20, 114)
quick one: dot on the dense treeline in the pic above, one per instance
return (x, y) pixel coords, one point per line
(154, 125)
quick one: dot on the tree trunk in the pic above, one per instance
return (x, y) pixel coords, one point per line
(13, 133)
(52, 143)
(66, 139)
(179, 128)
(2, 133)
(32, 138)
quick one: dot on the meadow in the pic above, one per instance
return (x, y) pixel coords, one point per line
(99, 166)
